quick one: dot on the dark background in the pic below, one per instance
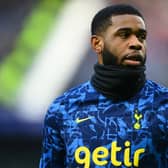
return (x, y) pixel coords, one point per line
(20, 147)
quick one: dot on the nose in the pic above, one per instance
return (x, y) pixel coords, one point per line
(134, 43)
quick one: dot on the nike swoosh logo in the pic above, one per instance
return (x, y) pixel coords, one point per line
(78, 120)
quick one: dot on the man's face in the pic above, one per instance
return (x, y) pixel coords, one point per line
(125, 41)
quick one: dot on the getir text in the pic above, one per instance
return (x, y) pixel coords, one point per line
(100, 154)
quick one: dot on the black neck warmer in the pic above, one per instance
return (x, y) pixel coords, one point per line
(118, 82)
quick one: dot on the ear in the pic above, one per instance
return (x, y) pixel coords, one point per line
(97, 44)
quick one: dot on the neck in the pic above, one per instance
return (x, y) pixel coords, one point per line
(118, 82)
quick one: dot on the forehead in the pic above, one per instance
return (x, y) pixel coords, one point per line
(128, 21)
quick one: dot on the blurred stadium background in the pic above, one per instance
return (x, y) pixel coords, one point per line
(44, 50)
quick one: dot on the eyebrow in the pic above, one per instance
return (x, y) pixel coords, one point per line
(130, 29)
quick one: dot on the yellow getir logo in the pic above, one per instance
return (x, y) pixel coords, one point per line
(102, 153)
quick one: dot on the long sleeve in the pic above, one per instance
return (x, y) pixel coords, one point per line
(53, 152)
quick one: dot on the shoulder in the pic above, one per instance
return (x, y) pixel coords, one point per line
(72, 96)
(66, 105)
(160, 93)
(157, 88)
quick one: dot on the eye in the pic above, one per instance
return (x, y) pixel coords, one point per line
(142, 35)
(124, 34)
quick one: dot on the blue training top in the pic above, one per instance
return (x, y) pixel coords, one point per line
(85, 129)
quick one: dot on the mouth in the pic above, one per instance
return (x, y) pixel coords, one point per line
(133, 59)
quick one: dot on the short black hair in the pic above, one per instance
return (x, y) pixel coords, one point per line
(103, 18)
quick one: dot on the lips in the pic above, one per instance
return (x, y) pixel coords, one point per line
(133, 59)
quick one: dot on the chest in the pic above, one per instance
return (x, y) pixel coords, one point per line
(108, 123)
(120, 131)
